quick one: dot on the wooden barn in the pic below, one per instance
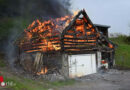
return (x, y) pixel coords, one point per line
(73, 50)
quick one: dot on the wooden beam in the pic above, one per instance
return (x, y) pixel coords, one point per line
(24, 46)
(87, 47)
(49, 37)
(32, 49)
(77, 39)
(46, 31)
(79, 42)
(79, 45)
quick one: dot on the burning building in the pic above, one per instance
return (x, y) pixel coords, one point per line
(72, 45)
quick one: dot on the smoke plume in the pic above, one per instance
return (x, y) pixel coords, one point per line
(24, 12)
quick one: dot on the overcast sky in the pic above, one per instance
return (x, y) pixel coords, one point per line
(115, 13)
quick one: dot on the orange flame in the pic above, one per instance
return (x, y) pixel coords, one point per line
(43, 71)
(41, 32)
(45, 36)
(75, 12)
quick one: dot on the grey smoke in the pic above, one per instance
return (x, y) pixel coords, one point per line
(10, 47)
(30, 10)
(44, 8)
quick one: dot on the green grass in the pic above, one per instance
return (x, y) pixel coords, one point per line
(24, 84)
(122, 54)
(20, 83)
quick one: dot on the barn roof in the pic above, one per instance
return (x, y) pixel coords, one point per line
(100, 25)
(46, 36)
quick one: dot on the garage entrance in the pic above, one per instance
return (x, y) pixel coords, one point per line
(81, 65)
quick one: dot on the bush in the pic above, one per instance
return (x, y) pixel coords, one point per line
(127, 39)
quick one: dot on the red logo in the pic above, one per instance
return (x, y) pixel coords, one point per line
(2, 83)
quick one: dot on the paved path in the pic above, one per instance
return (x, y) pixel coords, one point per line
(112, 80)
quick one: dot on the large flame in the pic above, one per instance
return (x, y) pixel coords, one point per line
(45, 36)
(38, 35)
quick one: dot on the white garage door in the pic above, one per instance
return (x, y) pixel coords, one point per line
(81, 65)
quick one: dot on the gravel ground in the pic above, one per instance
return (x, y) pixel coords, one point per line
(111, 80)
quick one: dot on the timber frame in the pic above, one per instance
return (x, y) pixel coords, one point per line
(88, 40)
(81, 35)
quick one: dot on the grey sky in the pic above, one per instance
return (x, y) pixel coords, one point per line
(115, 13)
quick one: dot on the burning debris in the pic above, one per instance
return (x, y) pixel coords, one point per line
(69, 34)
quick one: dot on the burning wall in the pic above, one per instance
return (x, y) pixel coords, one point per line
(44, 36)
(67, 33)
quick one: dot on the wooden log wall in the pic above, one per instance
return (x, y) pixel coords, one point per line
(80, 36)
(41, 39)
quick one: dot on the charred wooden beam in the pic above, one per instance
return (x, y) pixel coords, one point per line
(46, 31)
(70, 34)
(55, 40)
(55, 43)
(79, 50)
(80, 42)
(86, 47)
(76, 51)
(77, 38)
(49, 37)
(33, 27)
(32, 49)
(85, 30)
(91, 35)
(32, 45)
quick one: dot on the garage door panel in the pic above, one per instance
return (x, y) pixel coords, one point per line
(82, 60)
(81, 65)
(94, 63)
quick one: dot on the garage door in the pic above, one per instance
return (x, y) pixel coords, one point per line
(81, 65)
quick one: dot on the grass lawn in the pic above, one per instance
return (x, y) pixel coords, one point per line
(20, 83)
(122, 54)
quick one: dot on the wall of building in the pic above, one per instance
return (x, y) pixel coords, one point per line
(66, 63)
(65, 66)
